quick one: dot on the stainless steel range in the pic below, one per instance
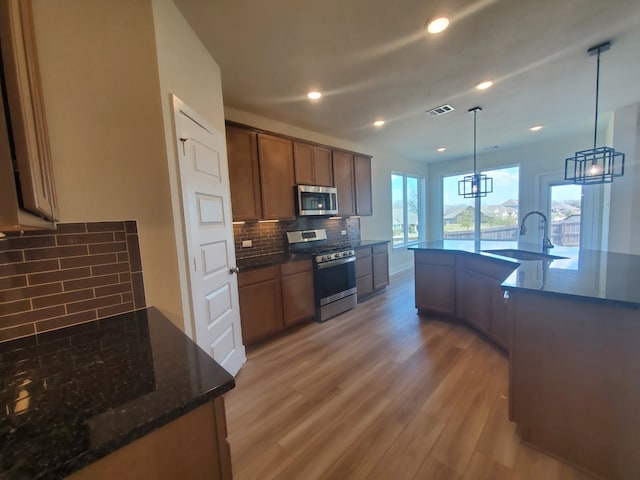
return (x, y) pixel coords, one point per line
(334, 272)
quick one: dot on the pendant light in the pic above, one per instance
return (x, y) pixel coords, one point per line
(478, 184)
(598, 164)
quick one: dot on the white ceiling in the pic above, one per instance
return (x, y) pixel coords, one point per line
(372, 58)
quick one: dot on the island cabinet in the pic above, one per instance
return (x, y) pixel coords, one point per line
(274, 298)
(435, 281)
(27, 192)
(352, 175)
(313, 165)
(244, 173)
(275, 155)
(480, 297)
(372, 269)
(574, 384)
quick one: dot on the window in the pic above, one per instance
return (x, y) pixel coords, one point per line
(406, 202)
(494, 217)
(566, 209)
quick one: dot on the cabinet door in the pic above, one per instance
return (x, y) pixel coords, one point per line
(298, 301)
(362, 181)
(260, 310)
(244, 175)
(435, 279)
(476, 300)
(303, 163)
(380, 270)
(500, 320)
(322, 167)
(275, 156)
(25, 108)
(343, 178)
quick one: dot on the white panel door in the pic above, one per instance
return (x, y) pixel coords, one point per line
(206, 201)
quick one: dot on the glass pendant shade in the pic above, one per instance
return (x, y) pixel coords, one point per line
(598, 164)
(478, 184)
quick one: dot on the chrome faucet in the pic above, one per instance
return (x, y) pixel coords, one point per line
(546, 243)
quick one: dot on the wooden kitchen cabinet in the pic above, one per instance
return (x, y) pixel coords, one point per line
(260, 295)
(313, 165)
(380, 263)
(343, 178)
(480, 296)
(275, 156)
(372, 269)
(298, 301)
(244, 173)
(435, 281)
(352, 178)
(27, 192)
(275, 298)
(362, 185)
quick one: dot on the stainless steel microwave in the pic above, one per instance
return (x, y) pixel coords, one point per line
(312, 200)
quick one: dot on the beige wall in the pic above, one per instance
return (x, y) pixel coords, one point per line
(102, 96)
(186, 70)
(377, 227)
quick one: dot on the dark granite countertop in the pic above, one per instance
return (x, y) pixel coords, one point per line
(251, 263)
(367, 243)
(590, 275)
(74, 395)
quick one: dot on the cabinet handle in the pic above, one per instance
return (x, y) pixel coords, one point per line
(234, 270)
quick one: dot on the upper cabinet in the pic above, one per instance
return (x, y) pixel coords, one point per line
(362, 182)
(264, 167)
(275, 155)
(27, 194)
(244, 173)
(343, 176)
(313, 164)
(353, 180)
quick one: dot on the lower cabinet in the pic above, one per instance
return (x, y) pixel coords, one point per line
(274, 298)
(372, 269)
(191, 446)
(435, 279)
(465, 286)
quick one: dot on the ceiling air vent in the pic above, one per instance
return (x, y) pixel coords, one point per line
(441, 110)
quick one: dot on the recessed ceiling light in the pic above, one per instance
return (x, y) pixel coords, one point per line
(441, 149)
(484, 85)
(535, 128)
(314, 95)
(378, 123)
(438, 25)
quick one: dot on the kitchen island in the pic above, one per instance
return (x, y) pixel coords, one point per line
(128, 396)
(574, 331)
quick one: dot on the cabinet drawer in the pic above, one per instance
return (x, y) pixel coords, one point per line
(258, 275)
(363, 267)
(435, 258)
(380, 249)
(363, 252)
(292, 268)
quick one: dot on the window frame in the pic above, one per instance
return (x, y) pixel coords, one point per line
(421, 205)
(477, 202)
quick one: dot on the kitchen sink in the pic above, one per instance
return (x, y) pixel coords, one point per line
(522, 254)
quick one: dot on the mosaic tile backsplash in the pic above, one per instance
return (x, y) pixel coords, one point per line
(77, 273)
(270, 237)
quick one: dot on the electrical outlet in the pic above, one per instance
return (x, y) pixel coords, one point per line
(247, 243)
(343, 232)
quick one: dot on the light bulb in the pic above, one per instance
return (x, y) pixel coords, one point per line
(595, 169)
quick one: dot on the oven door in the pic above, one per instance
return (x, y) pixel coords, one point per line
(335, 280)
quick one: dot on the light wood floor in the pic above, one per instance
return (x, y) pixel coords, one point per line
(379, 393)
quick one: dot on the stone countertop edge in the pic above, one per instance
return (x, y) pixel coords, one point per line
(583, 275)
(96, 387)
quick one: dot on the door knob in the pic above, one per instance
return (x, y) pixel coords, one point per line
(234, 270)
